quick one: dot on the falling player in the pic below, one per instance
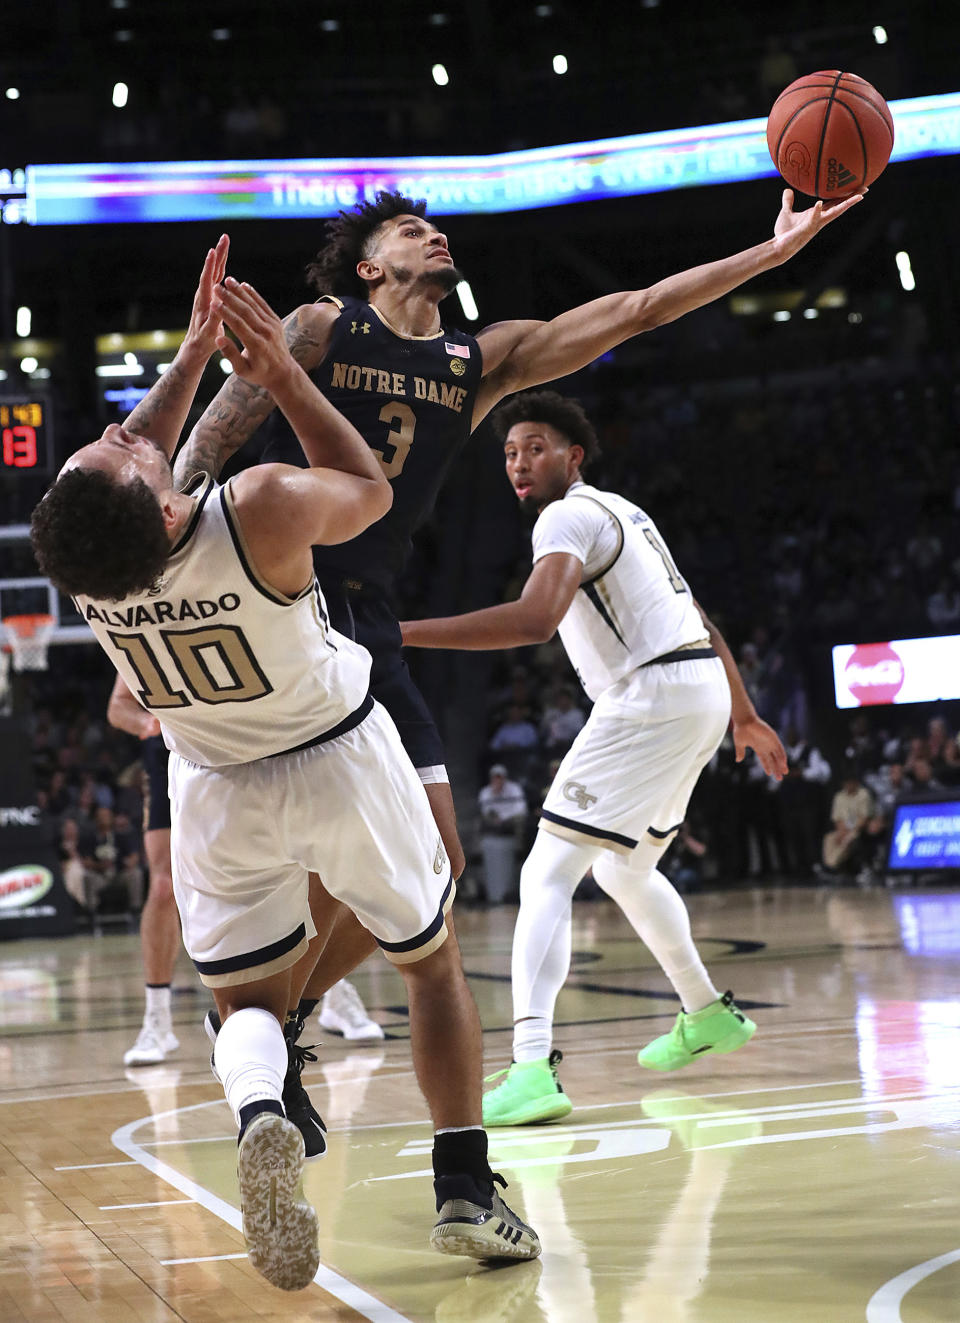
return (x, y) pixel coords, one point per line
(281, 762)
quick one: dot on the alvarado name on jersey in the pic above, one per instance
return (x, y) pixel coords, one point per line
(161, 612)
(352, 376)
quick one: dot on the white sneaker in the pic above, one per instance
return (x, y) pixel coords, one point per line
(153, 1044)
(342, 1012)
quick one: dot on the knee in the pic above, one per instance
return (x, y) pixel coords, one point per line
(161, 889)
(615, 877)
(440, 966)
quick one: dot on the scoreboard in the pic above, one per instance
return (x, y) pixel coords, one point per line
(25, 434)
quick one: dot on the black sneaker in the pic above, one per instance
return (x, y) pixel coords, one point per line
(296, 1102)
(467, 1227)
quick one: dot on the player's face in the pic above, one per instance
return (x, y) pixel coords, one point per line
(541, 463)
(124, 456)
(412, 250)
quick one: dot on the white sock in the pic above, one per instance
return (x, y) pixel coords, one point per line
(532, 1038)
(158, 1003)
(659, 916)
(250, 1055)
(542, 939)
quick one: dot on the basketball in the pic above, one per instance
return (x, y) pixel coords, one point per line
(830, 134)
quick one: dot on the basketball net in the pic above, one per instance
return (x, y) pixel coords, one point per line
(28, 638)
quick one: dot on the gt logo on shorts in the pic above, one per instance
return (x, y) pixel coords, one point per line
(440, 858)
(578, 794)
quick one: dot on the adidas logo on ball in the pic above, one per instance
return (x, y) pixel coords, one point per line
(838, 176)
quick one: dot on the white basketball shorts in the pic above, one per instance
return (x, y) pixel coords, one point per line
(631, 770)
(352, 810)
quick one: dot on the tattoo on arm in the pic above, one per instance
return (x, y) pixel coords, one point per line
(227, 423)
(143, 418)
(239, 409)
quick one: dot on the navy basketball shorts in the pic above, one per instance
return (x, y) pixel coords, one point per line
(365, 615)
(156, 797)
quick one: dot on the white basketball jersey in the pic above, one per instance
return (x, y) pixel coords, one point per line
(632, 604)
(232, 669)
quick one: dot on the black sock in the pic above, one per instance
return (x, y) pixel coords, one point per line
(460, 1167)
(307, 1007)
(254, 1109)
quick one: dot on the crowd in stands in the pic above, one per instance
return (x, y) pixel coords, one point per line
(90, 790)
(801, 516)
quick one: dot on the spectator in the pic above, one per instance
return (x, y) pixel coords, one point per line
(503, 813)
(515, 739)
(684, 865)
(562, 722)
(924, 781)
(801, 795)
(116, 862)
(943, 606)
(77, 865)
(852, 809)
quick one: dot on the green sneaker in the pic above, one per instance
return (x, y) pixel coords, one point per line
(719, 1027)
(530, 1093)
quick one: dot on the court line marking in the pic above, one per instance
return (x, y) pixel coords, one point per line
(341, 1288)
(204, 1258)
(154, 1203)
(884, 1305)
(91, 1166)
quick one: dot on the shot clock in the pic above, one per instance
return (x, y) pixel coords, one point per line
(25, 440)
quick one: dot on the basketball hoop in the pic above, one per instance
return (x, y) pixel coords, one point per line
(28, 637)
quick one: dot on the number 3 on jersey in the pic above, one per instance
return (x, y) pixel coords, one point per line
(394, 454)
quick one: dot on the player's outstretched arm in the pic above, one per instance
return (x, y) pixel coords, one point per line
(162, 412)
(285, 509)
(241, 405)
(533, 618)
(125, 713)
(518, 355)
(749, 730)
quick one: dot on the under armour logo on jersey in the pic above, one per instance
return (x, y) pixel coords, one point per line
(578, 794)
(365, 328)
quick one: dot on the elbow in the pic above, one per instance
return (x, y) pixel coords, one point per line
(539, 629)
(384, 497)
(646, 312)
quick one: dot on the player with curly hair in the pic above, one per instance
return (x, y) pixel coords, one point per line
(376, 345)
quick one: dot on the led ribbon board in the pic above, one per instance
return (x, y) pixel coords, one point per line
(452, 185)
(900, 671)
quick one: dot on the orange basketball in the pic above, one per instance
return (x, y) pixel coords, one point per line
(830, 134)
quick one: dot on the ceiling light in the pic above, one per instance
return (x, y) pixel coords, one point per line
(467, 302)
(440, 75)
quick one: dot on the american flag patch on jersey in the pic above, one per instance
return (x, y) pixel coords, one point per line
(459, 351)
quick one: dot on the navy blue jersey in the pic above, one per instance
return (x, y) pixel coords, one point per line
(411, 399)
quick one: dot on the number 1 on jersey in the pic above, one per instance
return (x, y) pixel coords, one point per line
(673, 574)
(394, 454)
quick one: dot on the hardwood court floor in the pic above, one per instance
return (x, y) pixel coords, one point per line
(812, 1177)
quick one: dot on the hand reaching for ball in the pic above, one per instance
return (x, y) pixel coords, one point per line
(794, 229)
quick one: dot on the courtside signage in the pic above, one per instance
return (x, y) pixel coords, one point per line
(22, 887)
(901, 671)
(925, 836)
(452, 185)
